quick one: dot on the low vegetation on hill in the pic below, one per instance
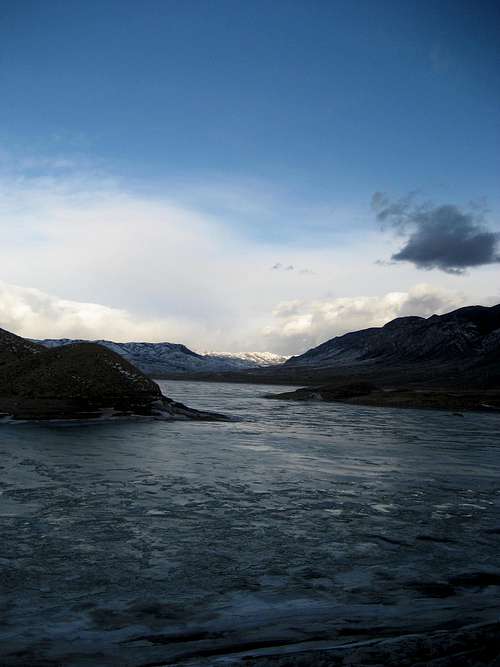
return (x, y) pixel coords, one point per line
(79, 381)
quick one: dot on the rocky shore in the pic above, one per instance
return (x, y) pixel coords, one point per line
(366, 393)
(470, 646)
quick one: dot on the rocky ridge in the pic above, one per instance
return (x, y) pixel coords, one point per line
(466, 333)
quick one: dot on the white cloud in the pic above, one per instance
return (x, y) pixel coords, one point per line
(299, 325)
(108, 261)
(85, 239)
(296, 326)
(32, 313)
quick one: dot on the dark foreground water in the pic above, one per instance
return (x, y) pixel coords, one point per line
(300, 526)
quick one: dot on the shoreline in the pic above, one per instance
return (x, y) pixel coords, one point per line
(417, 399)
(472, 645)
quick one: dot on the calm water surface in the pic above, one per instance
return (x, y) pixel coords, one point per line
(300, 524)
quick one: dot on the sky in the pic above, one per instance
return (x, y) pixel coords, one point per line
(246, 175)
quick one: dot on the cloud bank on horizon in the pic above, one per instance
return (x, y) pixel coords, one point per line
(299, 325)
(292, 328)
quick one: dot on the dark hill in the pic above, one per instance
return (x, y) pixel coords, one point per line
(447, 361)
(14, 348)
(83, 370)
(464, 334)
(459, 350)
(79, 381)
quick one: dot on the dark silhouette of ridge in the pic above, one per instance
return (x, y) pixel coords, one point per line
(473, 331)
(78, 381)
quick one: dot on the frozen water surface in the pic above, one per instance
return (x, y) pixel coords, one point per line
(301, 525)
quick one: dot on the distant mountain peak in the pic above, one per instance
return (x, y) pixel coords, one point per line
(156, 359)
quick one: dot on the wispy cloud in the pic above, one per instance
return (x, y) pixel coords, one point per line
(440, 59)
(290, 267)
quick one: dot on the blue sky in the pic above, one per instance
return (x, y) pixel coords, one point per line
(332, 98)
(274, 121)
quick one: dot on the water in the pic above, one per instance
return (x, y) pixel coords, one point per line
(301, 525)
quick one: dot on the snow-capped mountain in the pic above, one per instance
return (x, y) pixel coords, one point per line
(246, 359)
(159, 358)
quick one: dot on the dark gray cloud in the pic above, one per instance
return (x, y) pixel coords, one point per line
(442, 237)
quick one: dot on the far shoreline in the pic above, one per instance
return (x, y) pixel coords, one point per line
(421, 398)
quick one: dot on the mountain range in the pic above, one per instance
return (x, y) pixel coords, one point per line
(460, 346)
(457, 350)
(449, 361)
(457, 353)
(158, 359)
(468, 333)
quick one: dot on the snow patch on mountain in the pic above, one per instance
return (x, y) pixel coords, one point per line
(247, 359)
(159, 358)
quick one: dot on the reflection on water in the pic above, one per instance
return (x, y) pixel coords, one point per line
(306, 523)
